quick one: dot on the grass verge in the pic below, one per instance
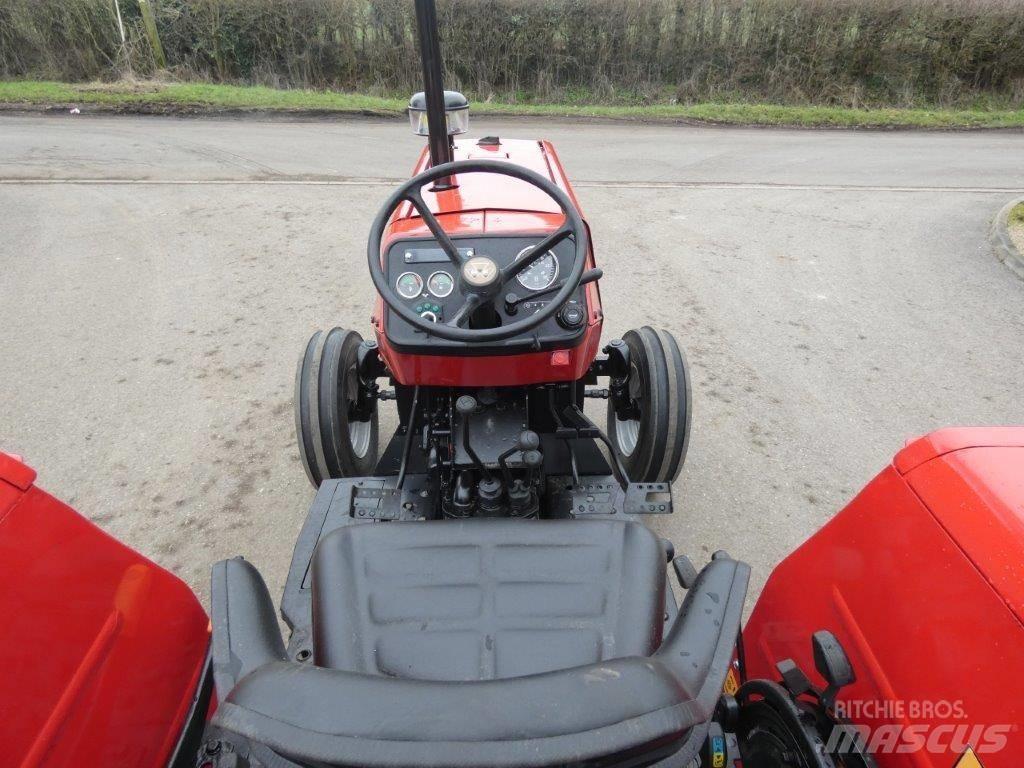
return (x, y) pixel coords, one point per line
(1015, 228)
(191, 98)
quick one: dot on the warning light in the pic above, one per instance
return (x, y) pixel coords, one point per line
(561, 357)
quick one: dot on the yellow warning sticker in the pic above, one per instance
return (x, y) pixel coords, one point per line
(968, 760)
(732, 684)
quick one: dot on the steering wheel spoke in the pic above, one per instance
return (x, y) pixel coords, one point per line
(461, 317)
(414, 197)
(545, 245)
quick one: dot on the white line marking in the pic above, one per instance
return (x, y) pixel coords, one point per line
(384, 181)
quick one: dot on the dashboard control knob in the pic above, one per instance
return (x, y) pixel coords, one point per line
(429, 316)
(571, 316)
(511, 303)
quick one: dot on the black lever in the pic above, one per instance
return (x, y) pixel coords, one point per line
(512, 300)
(833, 664)
(410, 431)
(528, 441)
(533, 459)
(572, 423)
(522, 499)
(465, 406)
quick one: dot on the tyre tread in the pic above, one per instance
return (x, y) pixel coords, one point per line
(303, 429)
(665, 428)
(321, 426)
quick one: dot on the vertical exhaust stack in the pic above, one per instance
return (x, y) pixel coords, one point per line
(433, 88)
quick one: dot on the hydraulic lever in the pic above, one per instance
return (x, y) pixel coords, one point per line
(528, 441)
(513, 300)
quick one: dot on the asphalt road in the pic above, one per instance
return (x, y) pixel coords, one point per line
(835, 292)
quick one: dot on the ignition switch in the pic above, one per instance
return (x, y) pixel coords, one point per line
(571, 316)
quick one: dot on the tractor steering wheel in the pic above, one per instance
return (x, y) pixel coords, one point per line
(480, 278)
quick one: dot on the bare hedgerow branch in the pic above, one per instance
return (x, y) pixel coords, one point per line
(846, 52)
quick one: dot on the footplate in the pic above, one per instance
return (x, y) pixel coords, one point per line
(648, 499)
(376, 503)
(604, 496)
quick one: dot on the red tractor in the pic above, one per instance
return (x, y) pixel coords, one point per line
(483, 591)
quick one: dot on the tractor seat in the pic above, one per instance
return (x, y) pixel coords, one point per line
(485, 599)
(483, 644)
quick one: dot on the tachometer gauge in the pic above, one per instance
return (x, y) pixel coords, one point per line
(539, 275)
(409, 285)
(441, 284)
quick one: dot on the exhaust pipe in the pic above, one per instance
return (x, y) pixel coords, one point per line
(433, 88)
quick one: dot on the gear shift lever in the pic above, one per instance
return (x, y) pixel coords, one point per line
(465, 406)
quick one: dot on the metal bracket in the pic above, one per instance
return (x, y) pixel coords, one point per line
(619, 368)
(648, 499)
(370, 367)
(594, 498)
(389, 504)
(607, 498)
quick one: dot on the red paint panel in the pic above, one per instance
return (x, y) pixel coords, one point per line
(977, 494)
(481, 191)
(491, 371)
(15, 472)
(918, 619)
(102, 649)
(944, 441)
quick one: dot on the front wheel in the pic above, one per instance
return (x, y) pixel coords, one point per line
(332, 442)
(650, 428)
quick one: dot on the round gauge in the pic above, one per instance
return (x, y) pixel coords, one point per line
(440, 284)
(409, 285)
(539, 275)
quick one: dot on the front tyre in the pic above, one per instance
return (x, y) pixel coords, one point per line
(652, 436)
(332, 444)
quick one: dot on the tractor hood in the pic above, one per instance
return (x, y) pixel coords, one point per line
(920, 578)
(102, 652)
(972, 480)
(495, 204)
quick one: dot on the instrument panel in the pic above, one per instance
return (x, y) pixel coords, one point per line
(427, 282)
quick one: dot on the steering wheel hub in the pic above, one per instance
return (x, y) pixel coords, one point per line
(480, 272)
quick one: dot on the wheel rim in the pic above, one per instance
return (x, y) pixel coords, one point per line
(359, 437)
(627, 434)
(359, 432)
(627, 431)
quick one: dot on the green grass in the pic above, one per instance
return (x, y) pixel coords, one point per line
(192, 97)
(1016, 217)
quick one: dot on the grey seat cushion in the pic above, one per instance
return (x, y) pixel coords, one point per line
(485, 599)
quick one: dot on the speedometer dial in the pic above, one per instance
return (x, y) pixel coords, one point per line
(539, 275)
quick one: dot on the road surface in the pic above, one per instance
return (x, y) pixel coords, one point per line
(835, 293)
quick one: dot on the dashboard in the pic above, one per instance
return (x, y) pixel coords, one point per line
(426, 281)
